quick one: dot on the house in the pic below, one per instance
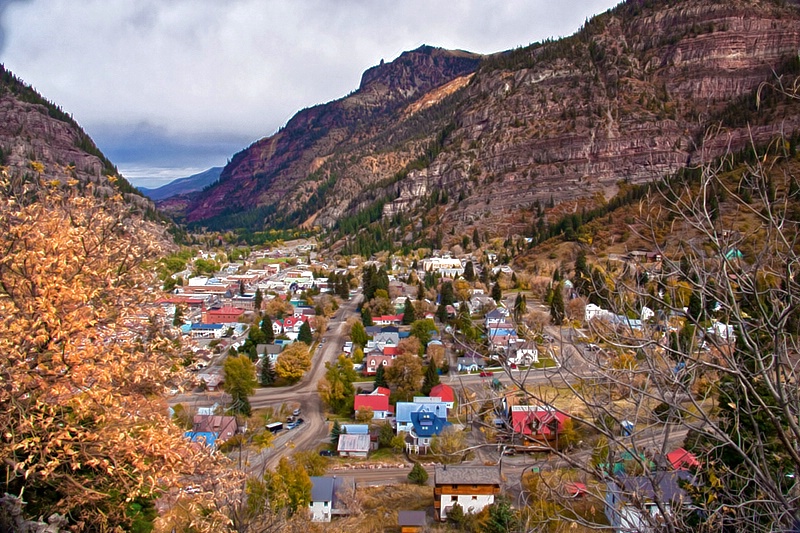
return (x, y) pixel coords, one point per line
(326, 494)
(526, 354)
(207, 331)
(353, 445)
(212, 379)
(378, 402)
(426, 425)
(388, 320)
(445, 393)
(479, 302)
(470, 363)
(539, 423)
(375, 359)
(723, 332)
(404, 410)
(495, 317)
(270, 351)
(681, 459)
(593, 311)
(502, 338)
(222, 315)
(386, 337)
(212, 429)
(471, 487)
(411, 521)
(634, 503)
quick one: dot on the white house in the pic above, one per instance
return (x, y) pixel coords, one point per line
(595, 311)
(471, 487)
(326, 492)
(353, 445)
(526, 354)
(722, 331)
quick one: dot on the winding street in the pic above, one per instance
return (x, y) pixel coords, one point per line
(314, 430)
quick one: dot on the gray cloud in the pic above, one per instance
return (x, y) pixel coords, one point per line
(198, 70)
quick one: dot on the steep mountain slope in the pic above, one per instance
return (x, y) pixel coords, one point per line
(274, 169)
(190, 184)
(40, 143)
(636, 94)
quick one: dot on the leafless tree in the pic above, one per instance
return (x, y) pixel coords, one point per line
(711, 368)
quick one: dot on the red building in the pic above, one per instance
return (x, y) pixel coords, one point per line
(223, 315)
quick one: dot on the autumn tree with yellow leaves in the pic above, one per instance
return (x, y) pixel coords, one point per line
(84, 433)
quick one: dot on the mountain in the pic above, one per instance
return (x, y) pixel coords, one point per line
(193, 183)
(437, 140)
(41, 144)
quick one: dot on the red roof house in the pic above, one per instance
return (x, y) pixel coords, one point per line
(445, 392)
(537, 422)
(681, 459)
(379, 403)
(382, 390)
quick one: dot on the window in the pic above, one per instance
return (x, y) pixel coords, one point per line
(453, 498)
(474, 498)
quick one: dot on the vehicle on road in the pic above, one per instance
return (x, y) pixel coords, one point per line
(326, 453)
(275, 427)
(296, 412)
(592, 347)
(486, 373)
(295, 423)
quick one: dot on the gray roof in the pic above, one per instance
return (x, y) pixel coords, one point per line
(466, 475)
(411, 518)
(356, 429)
(327, 488)
(322, 489)
(644, 489)
(353, 443)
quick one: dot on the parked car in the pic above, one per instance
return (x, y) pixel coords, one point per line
(326, 453)
(486, 373)
(294, 424)
(296, 412)
(592, 347)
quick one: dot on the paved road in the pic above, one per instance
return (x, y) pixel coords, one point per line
(314, 431)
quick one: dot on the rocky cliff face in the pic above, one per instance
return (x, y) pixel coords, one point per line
(40, 143)
(283, 169)
(637, 93)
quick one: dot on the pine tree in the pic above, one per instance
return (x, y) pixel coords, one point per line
(418, 475)
(267, 376)
(557, 305)
(409, 315)
(366, 316)
(431, 378)
(497, 292)
(476, 239)
(304, 335)
(380, 378)
(258, 300)
(469, 272)
(335, 432)
(266, 328)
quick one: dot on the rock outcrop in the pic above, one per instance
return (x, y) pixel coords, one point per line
(636, 94)
(40, 143)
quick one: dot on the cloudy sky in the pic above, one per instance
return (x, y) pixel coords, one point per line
(168, 88)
